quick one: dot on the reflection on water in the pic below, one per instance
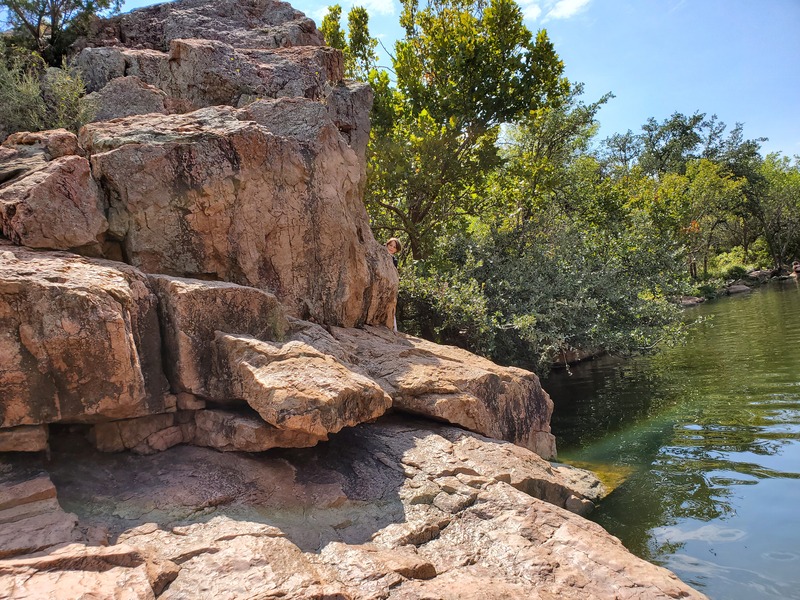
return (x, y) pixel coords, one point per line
(701, 444)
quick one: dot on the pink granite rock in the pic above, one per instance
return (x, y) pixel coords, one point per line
(79, 340)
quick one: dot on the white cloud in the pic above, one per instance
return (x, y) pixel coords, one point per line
(379, 7)
(530, 10)
(374, 8)
(564, 9)
(318, 13)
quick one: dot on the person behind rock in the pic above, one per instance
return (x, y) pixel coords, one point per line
(394, 246)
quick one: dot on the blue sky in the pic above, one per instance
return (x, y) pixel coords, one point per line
(739, 59)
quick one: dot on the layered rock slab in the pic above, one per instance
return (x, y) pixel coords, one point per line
(78, 571)
(454, 385)
(31, 519)
(221, 429)
(233, 344)
(389, 510)
(79, 340)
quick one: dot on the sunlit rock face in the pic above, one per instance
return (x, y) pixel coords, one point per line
(231, 213)
(210, 195)
(48, 198)
(453, 385)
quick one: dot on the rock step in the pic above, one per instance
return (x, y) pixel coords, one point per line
(30, 516)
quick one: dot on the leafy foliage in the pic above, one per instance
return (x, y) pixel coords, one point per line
(33, 97)
(463, 68)
(528, 238)
(359, 51)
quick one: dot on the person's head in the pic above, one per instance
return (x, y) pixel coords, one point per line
(393, 245)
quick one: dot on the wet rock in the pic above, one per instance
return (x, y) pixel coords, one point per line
(737, 289)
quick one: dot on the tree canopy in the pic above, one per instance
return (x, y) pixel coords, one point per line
(463, 68)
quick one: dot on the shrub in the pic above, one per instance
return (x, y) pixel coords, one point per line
(22, 107)
(34, 98)
(447, 309)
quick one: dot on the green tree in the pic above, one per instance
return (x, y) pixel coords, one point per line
(359, 47)
(50, 26)
(463, 68)
(331, 28)
(779, 207)
(361, 58)
(667, 147)
(541, 148)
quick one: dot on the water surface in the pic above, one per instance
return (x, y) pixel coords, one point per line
(703, 444)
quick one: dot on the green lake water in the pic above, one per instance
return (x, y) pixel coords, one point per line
(702, 442)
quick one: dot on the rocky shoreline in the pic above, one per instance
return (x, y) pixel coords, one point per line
(400, 508)
(200, 393)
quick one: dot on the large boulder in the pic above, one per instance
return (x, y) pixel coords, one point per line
(294, 386)
(201, 72)
(232, 344)
(126, 96)
(79, 340)
(192, 311)
(207, 195)
(48, 198)
(55, 207)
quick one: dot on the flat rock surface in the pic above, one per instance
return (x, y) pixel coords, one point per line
(395, 509)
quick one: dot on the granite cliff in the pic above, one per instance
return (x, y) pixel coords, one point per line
(195, 273)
